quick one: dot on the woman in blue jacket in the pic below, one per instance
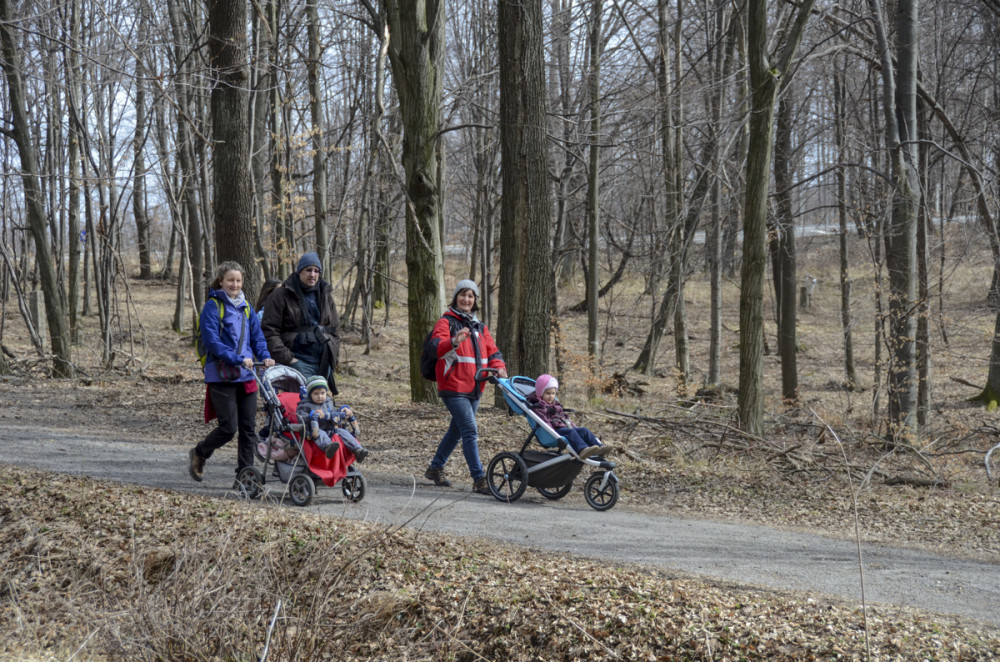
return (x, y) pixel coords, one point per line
(230, 333)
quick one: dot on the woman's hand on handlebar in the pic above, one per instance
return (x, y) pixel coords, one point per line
(490, 374)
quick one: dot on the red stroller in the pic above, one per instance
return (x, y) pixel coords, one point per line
(289, 453)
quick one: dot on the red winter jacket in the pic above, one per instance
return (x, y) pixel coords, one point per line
(456, 368)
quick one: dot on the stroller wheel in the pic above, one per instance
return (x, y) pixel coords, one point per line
(507, 476)
(301, 489)
(248, 483)
(598, 497)
(557, 492)
(354, 487)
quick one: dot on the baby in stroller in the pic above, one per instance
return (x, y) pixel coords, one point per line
(544, 403)
(322, 419)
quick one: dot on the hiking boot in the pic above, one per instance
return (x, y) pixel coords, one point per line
(481, 486)
(331, 449)
(592, 450)
(436, 474)
(196, 465)
(360, 454)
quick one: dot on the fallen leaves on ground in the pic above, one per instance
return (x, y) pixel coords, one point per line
(108, 572)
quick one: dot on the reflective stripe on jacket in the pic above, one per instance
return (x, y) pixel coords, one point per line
(456, 367)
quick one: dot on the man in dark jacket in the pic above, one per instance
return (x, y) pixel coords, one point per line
(301, 324)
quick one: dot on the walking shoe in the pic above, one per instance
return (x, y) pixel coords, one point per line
(592, 450)
(360, 454)
(196, 465)
(482, 486)
(332, 449)
(436, 474)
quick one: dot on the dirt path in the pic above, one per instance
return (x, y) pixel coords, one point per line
(744, 554)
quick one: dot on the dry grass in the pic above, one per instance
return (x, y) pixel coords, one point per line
(99, 572)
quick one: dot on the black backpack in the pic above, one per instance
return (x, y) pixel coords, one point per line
(429, 357)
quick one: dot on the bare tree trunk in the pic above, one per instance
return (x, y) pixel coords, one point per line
(593, 192)
(262, 80)
(54, 314)
(565, 248)
(923, 346)
(188, 173)
(139, 172)
(318, 135)
(899, 105)
(231, 207)
(784, 275)
(75, 240)
(680, 239)
(845, 276)
(723, 62)
(523, 329)
(764, 79)
(416, 48)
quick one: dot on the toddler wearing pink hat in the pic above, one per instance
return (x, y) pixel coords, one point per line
(544, 403)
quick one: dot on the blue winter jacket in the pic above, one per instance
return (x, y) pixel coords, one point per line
(220, 336)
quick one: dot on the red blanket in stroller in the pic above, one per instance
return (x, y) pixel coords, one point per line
(328, 469)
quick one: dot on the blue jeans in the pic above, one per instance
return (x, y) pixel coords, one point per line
(579, 438)
(462, 428)
(306, 368)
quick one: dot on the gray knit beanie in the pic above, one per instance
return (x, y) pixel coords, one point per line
(466, 285)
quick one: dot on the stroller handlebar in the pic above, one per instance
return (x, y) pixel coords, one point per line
(487, 375)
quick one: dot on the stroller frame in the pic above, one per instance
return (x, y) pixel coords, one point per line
(300, 480)
(550, 471)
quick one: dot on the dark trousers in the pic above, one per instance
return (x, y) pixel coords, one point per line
(237, 412)
(578, 438)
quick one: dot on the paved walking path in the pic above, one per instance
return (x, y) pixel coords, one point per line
(742, 553)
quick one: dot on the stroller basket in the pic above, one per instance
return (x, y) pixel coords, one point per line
(552, 476)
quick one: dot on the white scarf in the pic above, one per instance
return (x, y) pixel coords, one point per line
(238, 301)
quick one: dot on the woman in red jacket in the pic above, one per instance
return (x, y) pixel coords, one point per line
(464, 345)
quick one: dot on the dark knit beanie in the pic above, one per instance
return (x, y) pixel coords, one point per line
(309, 259)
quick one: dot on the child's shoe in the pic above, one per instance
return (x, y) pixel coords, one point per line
(592, 450)
(360, 454)
(331, 449)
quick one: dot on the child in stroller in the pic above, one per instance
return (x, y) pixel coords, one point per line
(326, 420)
(543, 402)
(297, 460)
(552, 469)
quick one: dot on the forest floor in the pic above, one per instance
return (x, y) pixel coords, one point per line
(96, 569)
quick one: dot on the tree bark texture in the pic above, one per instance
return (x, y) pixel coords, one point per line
(231, 208)
(900, 108)
(318, 135)
(850, 373)
(764, 78)
(785, 275)
(62, 365)
(416, 42)
(594, 189)
(523, 327)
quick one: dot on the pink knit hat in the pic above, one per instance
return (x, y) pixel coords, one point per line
(544, 383)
